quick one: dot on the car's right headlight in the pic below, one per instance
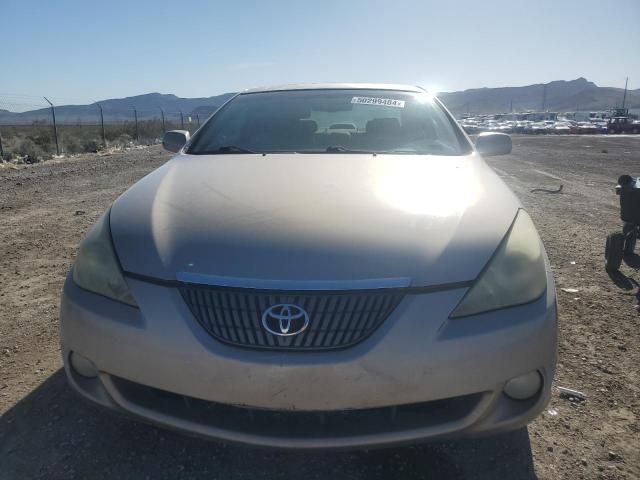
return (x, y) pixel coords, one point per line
(515, 275)
(96, 267)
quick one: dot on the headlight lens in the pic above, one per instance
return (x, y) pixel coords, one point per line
(96, 267)
(515, 275)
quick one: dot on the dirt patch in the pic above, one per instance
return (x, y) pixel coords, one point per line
(47, 432)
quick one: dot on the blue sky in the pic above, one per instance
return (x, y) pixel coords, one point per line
(77, 51)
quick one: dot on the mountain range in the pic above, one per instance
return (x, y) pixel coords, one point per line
(557, 96)
(560, 96)
(119, 109)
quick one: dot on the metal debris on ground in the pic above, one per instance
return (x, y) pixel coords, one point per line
(546, 190)
(614, 457)
(570, 393)
(570, 290)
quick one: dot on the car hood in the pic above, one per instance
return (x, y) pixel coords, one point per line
(314, 217)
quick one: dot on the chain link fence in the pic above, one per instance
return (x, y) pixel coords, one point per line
(32, 130)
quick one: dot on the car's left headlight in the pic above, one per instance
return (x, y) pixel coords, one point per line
(515, 274)
(96, 267)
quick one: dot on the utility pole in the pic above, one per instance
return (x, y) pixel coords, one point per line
(55, 128)
(104, 140)
(164, 128)
(624, 97)
(135, 116)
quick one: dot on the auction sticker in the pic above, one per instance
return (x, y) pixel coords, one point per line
(383, 102)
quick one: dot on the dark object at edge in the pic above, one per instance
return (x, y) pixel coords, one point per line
(622, 244)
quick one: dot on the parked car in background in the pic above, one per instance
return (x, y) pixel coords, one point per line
(623, 125)
(489, 126)
(505, 127)
(587, 127)
(538, 128)
(549, 125)
(523, 126)
(469, 126)
(561, 128)
(573, 126)
(600, 125)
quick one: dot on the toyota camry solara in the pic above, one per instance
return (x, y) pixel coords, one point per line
(318, 266)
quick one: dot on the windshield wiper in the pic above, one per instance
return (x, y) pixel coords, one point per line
(228, 149)
(339, 149)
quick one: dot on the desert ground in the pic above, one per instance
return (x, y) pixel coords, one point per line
(46, 431)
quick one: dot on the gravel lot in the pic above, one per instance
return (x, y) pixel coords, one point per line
(48, 432)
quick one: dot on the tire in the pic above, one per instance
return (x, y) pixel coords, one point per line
(614, 251)
(630, 244)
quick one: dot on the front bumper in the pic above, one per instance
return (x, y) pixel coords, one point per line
(418, 376)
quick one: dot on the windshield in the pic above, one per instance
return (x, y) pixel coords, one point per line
(331, 121)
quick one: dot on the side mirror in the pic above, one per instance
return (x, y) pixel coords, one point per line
(490, 144)
(174, 140)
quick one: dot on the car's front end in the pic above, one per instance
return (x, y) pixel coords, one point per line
(317, 299)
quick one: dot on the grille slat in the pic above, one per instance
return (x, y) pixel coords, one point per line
(205, 309)
(255, 322)
(227, 317)
(237, 324)
(246, 323)
(336, 319)
(370, 315)
(362, 317)
(336, 315)
(343, 326)
(299, 339)
(355, 318)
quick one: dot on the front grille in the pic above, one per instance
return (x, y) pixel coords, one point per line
(299, 423)
(336, 319)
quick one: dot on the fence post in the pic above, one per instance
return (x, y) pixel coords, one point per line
(135, 115)
(198, 120)
(104, 140)
(1, 149)
(181, 121)
(55, 128)
(164, 128)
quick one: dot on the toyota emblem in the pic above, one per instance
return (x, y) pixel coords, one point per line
(285, 320)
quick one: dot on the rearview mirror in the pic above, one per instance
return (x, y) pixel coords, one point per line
(174, 140)
(490, 144)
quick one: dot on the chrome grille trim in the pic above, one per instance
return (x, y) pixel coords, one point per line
(338, 319)
(297, 285)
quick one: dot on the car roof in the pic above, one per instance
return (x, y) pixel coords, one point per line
(337, 86)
